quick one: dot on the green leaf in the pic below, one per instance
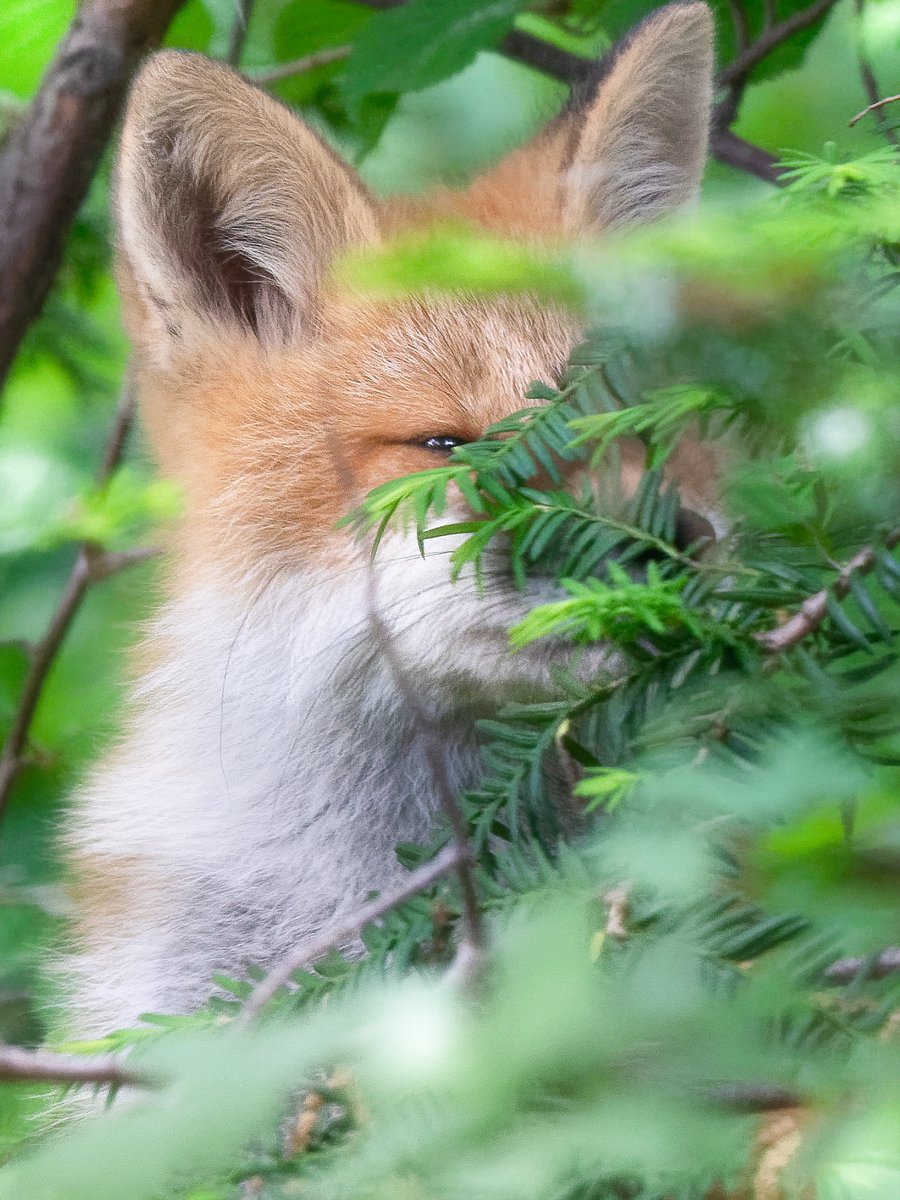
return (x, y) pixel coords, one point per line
(305, 26)
(192, 28)
(420, 43)
(29, 32)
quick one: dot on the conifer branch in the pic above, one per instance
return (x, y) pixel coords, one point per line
(845, 970)
(471, 949)
(308, 954)
(813, 610)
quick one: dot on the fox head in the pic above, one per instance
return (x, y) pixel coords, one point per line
(275, 397)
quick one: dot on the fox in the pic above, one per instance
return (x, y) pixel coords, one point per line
(269, 765)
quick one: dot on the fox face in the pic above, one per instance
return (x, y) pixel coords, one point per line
(269, 765)
(275, 397)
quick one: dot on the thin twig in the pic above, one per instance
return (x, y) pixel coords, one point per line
(770, 39)
(92, 564)
(118, 434)
(472, 946)
(300, 65)
(735, 77)
(845, 970)
(872, 107)
(239, 30)
(617, 906)
(350, 927)
(43, 1066)
(869, 82)
(755, 1097)
(813, 610)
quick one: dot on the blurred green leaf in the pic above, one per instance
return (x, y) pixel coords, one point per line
(29, 32)
(416, 45)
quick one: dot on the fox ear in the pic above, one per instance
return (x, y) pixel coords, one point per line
(229, 209)
(640, 142)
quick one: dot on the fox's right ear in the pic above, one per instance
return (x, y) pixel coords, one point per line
(229, 209)
(641, 139)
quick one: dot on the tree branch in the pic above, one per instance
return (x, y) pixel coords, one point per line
(813, 610)
(343, 931)
(43, 1066)
(755, 1097)
(734, 151)
(239, 30)
(869, 82)
(92, 564)
(575, 70)
(300, 65)
(53, 151)
(845, 970)
(770, 39)
(873, 106)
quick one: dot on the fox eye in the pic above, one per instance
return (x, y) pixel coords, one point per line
(443, 444)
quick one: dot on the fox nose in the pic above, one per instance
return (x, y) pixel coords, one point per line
(692, 530)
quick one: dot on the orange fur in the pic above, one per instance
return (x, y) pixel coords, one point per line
(273, 449)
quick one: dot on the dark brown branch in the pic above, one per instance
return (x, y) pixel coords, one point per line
(736, 152)
(534, 52)
(735, 77)
(43, 1066)
(869, 82)
(813, 610)
(845, 970)
(92, 564)
(53, 151)
(351, 927)
(770, 39)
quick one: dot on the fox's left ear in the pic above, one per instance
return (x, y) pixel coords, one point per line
(640, 141)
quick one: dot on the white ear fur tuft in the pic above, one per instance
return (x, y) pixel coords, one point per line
(229, 208)
(642, 142)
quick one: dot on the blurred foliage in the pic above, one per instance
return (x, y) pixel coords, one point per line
(749, 801)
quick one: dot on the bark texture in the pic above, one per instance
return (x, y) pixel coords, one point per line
(53, 152)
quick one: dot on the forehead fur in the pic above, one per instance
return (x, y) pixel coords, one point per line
(474, 356)
(283, 444)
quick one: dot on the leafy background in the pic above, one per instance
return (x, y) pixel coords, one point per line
(417, 99)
